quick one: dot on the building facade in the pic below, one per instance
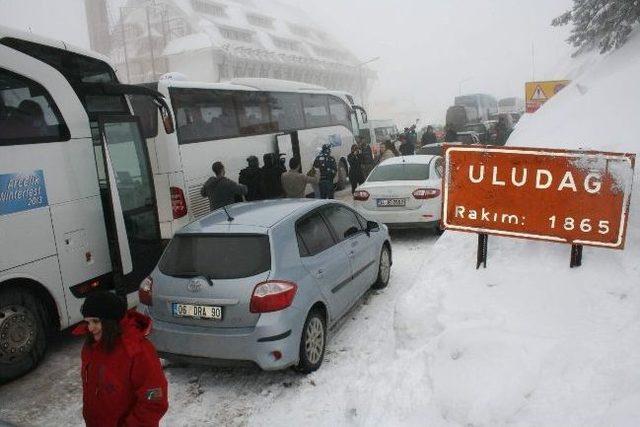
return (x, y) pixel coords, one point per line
(218, 40)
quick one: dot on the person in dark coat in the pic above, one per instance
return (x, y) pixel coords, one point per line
(429, 136)
(406, 147)
(250, 177)
(366, 157)
(328, 169)
(220, 190)
(356, 177)
(271, 174)
(451, 135)
(122, 379)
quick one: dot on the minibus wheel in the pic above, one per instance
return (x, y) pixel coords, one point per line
(23, 338)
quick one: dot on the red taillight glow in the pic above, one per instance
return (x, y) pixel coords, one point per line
(178, 202)
(426, 193)
(361, 195)
(272, 295)
(145, 291)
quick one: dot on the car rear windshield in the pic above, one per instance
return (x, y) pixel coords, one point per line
(222, 256)
(400, 172)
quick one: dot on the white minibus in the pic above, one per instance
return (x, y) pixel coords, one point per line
(229, 122)
(78, 209)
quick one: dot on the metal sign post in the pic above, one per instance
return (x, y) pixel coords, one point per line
(483, 240)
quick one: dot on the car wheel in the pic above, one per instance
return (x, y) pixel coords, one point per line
(312, 342)
(341, 182)
(384, 269)
(23, 338)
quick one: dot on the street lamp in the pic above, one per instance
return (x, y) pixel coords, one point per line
(362, 81)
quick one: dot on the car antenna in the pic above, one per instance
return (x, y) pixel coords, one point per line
(229, 217)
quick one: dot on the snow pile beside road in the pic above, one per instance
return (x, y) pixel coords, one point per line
(528, 340)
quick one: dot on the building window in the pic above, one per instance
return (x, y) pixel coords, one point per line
(260, 20)
(286, 44)
(299, 30)
(177, 28)
(236, 35)
(209, 8)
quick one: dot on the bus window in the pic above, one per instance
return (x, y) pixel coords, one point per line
(315, 110)
(339, 112)
(253, 113)
(203, 115)
(27, 112)
(286, 111)
(77, 69)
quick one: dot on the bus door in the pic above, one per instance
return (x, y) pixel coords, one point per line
(126, 185)
(289, 145)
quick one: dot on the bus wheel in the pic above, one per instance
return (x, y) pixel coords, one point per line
(342, 176)
(22, 333)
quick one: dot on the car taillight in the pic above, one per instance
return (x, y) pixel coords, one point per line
(426, 193)
(361, 195)
(272, 295)
(178, 202)
(145, 291)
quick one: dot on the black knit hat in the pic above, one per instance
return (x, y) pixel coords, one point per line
(104, 305)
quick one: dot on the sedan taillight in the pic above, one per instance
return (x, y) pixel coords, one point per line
(361, 195)
(272, 295)
(145, 291)
(426, 193)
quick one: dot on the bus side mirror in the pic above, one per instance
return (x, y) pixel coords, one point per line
(167, 121)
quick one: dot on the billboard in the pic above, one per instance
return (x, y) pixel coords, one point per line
(537, 93)
(577, 197)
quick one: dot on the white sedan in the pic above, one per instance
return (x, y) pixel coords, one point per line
(403, 192)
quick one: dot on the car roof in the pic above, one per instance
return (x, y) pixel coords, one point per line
(416, 158)
(252, 217)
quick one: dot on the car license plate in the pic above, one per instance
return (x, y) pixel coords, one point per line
(197, 311)
(388, 203)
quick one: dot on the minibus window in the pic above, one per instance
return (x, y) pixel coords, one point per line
(27, 113)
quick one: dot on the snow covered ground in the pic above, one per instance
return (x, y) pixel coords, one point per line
(529, 341)
(357, 355)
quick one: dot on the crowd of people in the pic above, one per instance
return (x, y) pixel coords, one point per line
(274, 181)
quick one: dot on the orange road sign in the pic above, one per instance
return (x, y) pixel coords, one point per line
(577, 197)
(537, 93)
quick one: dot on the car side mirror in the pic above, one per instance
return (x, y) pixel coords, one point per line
(350, 232)
(372, 226)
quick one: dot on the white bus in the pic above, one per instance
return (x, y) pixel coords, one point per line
(78, 208)
(229, 122)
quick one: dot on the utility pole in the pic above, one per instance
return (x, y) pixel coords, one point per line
(124, 47)
(153, 58)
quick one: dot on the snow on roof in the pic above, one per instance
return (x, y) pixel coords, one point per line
(190, 43)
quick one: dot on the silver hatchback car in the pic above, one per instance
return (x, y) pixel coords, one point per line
(262, 282)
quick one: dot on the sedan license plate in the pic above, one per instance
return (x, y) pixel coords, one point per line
(197, 311)
(388, 203)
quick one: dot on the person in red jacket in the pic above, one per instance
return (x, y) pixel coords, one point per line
(122, 379)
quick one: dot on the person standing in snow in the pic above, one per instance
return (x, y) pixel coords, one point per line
(122, 379)
(356, 176)
(429, 137)
(294, 182)
(328, 169)
(250, 177)
(388, 151)
(220, 190)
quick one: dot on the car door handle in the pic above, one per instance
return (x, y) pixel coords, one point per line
(319, 273)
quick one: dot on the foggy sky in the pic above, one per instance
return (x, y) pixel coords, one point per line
(428, 49)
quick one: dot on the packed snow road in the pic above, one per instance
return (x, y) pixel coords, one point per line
(359, 348)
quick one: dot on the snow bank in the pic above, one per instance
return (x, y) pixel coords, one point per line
(529, 341)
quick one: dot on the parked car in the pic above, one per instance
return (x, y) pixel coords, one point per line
(403, 192)
(468, 137)
(263, 283)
